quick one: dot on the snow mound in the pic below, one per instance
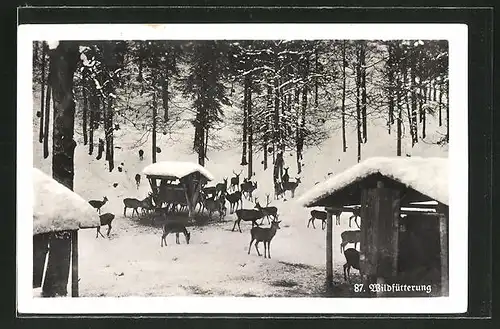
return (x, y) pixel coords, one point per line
(176, 169)
(428, 176)
(57, 208)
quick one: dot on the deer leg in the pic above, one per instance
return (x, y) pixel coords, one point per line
(164, 239)
(99, 232)
(256, 248)
(125, 212)
(265, 249)
(250, 246)
(109, 229)
(234, 226)
(342, 246)
(356, 221)
(345, 271)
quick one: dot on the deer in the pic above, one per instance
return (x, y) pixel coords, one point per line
(97, 204)
(147, 204)
(247, 189)
(267, 211)
(137, 180)
(349, 237)
(141, 155)
(221, 187)
(215, 204)
(234, 199)
(285, 178)
(291, 186)
(265, 235)
(355, 214)
(247, 215)
(235, 181)
(175, 226)
(352, 260)
(105, 219)
(131, 203)
(319, 215)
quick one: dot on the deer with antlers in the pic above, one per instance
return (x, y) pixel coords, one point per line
(267, 211)
(235, 181)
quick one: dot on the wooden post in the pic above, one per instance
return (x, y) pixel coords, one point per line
(329, 251)
(74, 263)
(443, 233)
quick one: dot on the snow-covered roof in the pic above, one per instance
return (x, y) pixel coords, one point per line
(57, 208)
(428, 176)
(176, 169)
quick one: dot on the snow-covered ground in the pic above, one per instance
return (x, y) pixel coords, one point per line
(132, 263)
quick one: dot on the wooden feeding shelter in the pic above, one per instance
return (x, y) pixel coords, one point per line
(58, 214)
(386, 189)
(177, 182)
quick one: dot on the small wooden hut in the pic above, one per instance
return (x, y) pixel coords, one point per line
(384, 189)
(58, 214)
(176, 181)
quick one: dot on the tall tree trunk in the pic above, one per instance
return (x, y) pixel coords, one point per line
(277, 128)
(245, 123)
(316, 80)
(358, 105)
(250, 131)
(165, 96)
(84, 115)
(363, 92)
(266, 125)
(63, 61)
(153, 137)
(344, 64)
(94, 103)
(400, 122)
(42, 93)
(447, 111)
(440, 104)
(48, 96)
(109, 135)
(434, 88)
(298, 128)
(413, 126)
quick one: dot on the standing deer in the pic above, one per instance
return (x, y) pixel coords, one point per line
(267, 211)
(131, 203)
(349, 237)
(319, 215)
(265, 235)
(235, 181)
(247, 215)
(247, 189)
(221, 187)
(97, 204)
(355, 214)
(291, 186)
(352, 260)
(174, 226)
(234, 199)
(214, 204)
(285, 178)
(137, 180)
(105, 219)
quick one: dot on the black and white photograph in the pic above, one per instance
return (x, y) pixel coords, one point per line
(214, 168)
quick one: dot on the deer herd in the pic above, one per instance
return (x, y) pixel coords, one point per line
(213, 200)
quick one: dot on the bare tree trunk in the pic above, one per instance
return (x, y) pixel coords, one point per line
(400, 122)
(42, 94)
(84, 114)
(363, 91)
(266, 125)
(245, 123)
(447, 111)
(153, 135)
(277, 128)
(48, 96)
(440, 104)
(344, 64)
(316, 81)
(358, 105)
(94, 106)
(413, 106)
(165, 96)
(109, 135)
(250, 131)
(63, 61)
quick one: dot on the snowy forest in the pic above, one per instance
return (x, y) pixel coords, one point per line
(290, 94)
